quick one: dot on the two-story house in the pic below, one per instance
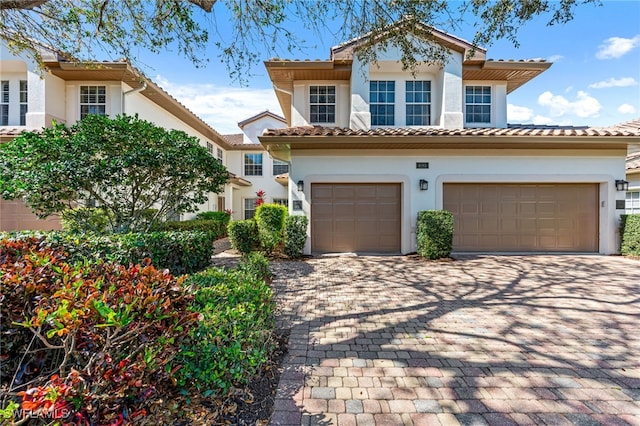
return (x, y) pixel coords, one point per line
(371, 145)
(31, 100)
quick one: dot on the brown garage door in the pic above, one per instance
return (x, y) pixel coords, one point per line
(523, 217)
(361, 217)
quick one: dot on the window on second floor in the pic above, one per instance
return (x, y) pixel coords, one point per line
(23, 102)
(4, 103)
(253, 164)
(478, 104)
(418, 103)
(280, 167)
(210, 148)
(93, 100)
(322, 104)
(220, 155)
(382, 97)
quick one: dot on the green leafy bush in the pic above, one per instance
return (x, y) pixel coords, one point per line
(217, 227)
(270, 219)
(234, 335)
(630, 232)
(85, 219)
(95, 340)
(180, 252)
(243, 235)
(435, 233)
(256, 265)
(222, 216)
(295, 235)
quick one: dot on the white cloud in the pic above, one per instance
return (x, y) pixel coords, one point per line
(222, 107)
(627, 109)
(555, 58)
(540, 119)
(583, 106)
(517, 113)
(614, 82)
(616, 47)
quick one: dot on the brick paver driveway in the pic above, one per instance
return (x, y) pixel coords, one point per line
(480, 340)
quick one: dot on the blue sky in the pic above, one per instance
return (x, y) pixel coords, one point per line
(594, 79)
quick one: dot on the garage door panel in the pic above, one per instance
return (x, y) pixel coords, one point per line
(529, 217)
(363, 217)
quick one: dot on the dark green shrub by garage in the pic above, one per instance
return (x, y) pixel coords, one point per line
(295, 235)
(435, 234)
(630, 233)
(243, 235)
(270, 220)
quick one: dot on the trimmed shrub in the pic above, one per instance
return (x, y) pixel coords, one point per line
(234, 336)
(435, 233)
(93, 340)
(221, 216)
(243, 235)
(217, 227)
(295, 235)
(256, 265)
(630, 232)
(180, 252)
(270, 219)
(85, 219)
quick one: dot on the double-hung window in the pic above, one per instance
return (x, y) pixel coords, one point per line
(250, 207)
(253, 164)
(23, 102)
(210, 148)
(4, 103)
(220, 155)
(322, 104)
(418, 103)
(478, 104)
(382, 97)
(93, 100)
(280, 167)
(632, 202)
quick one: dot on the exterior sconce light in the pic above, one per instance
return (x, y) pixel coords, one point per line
(300, 185)
(424, 185)
(622, 185)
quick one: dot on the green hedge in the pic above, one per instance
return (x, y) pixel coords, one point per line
(630, 232)
(295, 235)
(270, 220)
(234, 336)
(243, 235)
(85, 219)
(216, 226)
(435, 233)
(221, 216)
(180, 252)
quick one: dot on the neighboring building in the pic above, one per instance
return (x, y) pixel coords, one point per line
(370, 146)
(31, 100)
(251, 161)
(632, 202)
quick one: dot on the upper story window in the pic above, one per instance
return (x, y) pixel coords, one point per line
(253, 164)
(23, 102)
(478, 104)
(322, 104)
(418, 103)
(220, 155)
(210, 148)
(280, 167)
(382, 97)
(93, 100)
(4, 103)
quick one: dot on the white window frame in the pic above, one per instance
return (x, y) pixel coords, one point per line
(24, 106)
(632, 202)
(420, 102)
(258, 167)
(325, 99)
(4, 102)
(278, 163)
(249, 205)
(210, 148)
(220, 155)
(481, 104)
(89, 102)
(383, 102)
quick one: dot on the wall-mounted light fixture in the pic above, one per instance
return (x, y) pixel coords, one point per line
(300, 185)
(424, 185)
(622, 185)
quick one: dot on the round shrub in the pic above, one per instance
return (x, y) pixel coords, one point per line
(435, 233)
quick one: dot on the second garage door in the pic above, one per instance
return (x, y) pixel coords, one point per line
(523, 217)
(358, 217)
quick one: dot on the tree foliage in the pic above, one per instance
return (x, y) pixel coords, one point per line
(258, 28)
(125, 165)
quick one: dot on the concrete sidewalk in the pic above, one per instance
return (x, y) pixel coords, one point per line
(496, 340)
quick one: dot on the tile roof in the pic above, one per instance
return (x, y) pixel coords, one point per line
(12, 131)
(633, 162)
(516, 130)
(633, 125)
(235, 139)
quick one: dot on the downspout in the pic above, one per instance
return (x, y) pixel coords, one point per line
(130, 92)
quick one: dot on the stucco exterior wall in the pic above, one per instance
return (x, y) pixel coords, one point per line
(517, 166)
(255, 128)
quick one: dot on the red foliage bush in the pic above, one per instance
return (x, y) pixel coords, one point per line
(88, 343)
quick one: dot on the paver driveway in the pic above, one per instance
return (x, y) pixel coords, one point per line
(479, 340)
